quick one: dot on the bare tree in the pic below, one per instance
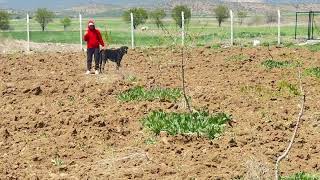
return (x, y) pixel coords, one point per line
(286, 152)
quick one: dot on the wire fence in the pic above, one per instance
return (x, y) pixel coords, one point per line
(263, 29)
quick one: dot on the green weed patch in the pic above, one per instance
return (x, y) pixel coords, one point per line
(140, 94)
(270, 64)
(200, 123)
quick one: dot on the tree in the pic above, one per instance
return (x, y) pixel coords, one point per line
(157, 16)
(271, 17)
(177, 17)
(140, 16)
(242, 15)
(43, 17)
(222, 13)
(66, 22)
(4, 20)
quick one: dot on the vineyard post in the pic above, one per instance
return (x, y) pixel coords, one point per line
(132, 30)
(80, 30)
(28, 32)
(279, 27)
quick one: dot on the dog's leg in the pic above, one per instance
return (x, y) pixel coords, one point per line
(118, 65)
(103, 64)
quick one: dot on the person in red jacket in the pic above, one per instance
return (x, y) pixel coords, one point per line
(94, 40)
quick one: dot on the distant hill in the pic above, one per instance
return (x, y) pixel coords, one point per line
(62, 4)
(199, 7)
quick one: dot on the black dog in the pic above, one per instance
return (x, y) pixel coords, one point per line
(114, 55)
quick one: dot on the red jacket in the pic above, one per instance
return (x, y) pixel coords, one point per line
(93, 38)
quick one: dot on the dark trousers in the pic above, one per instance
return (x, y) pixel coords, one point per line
(93, 52)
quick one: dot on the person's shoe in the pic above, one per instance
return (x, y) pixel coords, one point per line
(88, 72)
(96, 72)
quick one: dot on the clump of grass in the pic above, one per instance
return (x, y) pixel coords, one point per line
(216, 46)
(284, 85)
(150, 141)
(258, 90)
(302, 176)
(132, 79)
(238, 57)
(313, 48)
(140, 94)
(270, 64)
(57, 162)
(200, 123)
(313, 72)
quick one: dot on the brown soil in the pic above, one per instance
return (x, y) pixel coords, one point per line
(57, 123)
(11, 46)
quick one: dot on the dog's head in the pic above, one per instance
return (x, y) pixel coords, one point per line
(124, 49)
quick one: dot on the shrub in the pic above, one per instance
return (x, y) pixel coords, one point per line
(200, 123)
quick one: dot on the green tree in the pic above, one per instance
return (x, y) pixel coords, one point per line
(4, 20)
(222, 13)
(157, 16)
(242, 15)
(140, 16)
(66, 22)
(43, 17)
(177, 17)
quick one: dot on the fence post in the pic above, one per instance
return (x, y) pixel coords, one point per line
(182, 28)
(279, 27)
(231, 28)
(80, 22)
(28, 32)
(132, 31)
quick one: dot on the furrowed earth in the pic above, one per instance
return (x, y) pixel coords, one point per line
(58, 123)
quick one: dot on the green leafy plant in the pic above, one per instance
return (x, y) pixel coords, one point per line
(313, 72)
(238, 57)
(270, 64)
(57, 162)
(200, 123)
(150, 141)
(302, 176)
(140, 94)
(132, 79)
(284, 85)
